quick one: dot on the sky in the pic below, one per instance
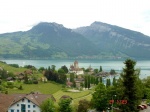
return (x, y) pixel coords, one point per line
(22, 15)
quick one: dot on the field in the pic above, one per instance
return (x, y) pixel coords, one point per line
(44, 88)
(11, 69)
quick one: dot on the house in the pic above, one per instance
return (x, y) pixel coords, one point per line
(22, 102)
(75, 69)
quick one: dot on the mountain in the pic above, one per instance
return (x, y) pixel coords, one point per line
(52, 40)
(117, 41)
(44, 41)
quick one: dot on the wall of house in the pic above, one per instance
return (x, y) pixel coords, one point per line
(30, 107)
(77, 72)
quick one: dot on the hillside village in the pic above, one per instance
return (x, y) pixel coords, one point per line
(26, 88)
(10, 78)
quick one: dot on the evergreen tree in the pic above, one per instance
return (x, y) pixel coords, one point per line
(89, 81)
(85, 81)
(100, 80)
(108, 83)
(130, 85)
(96, 81)
(114, 81)
(100, 70)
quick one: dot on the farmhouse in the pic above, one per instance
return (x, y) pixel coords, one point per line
(22, 102)
(75, 69)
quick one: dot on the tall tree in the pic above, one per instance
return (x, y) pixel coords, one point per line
(99, 98)
(108, 83)
(100, 80)
(85, 81)
(100, 69)
(130, 89)
(89, 82)
(114, 81)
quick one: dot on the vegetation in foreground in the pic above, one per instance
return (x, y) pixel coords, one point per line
(125, 93)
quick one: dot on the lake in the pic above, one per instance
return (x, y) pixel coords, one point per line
(107, 65)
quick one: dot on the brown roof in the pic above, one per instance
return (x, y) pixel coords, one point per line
(33, 97)
(8, 100)
(5, 102)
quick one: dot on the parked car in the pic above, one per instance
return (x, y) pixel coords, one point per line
(140, 107)
(145, 106)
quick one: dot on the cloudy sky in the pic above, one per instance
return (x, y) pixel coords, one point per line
(21, 15)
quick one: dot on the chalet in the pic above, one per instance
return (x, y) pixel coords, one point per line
(22, 102)
(75, 69)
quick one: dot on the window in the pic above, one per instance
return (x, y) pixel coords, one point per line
(28, 101)
(17, 105)
(28, 106)
(34, 110)
(11, 110)
(17, 110)
(29, 111)
(34, 106)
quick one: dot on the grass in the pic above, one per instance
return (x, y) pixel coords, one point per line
(74, 95)
(11, 69)
(44, 88)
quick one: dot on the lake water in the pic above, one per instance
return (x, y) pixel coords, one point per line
(107, 65)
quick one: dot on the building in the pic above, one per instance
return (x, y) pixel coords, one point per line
(22, 102)
(75, 69)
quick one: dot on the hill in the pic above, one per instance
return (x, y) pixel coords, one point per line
(45, 40)
(117, 41)
(52, 40)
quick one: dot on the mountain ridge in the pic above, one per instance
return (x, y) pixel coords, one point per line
(97, 41)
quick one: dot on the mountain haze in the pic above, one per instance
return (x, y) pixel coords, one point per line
(117, 40)
(52, 40)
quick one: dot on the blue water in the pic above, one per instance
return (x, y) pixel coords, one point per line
(107, 65)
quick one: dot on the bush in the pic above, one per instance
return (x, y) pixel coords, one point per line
(20, 87)
(35, 82)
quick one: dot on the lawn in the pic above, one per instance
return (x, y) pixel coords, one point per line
(44, 88)
(74, 95)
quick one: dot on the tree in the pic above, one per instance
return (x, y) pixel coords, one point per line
(47, 106)
(112, 72)
(108, 83)
(100, 69)
(100, 80)
(99, 98)
(71, 77)
(65, 69)
(85, 81)
(53, 67)
(114, 81)
(89, 81)
(83, 105)
(64, 105)
(130, 83)
(95, 70)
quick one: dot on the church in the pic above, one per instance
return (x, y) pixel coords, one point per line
(74, 68)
